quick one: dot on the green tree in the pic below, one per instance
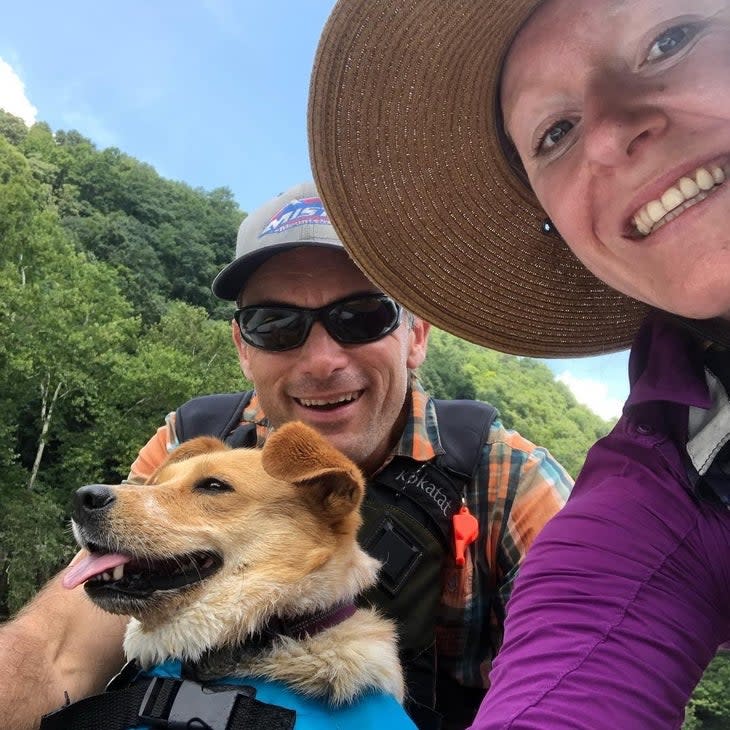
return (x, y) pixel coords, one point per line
(185, 355)
(709, 708)
(62, 318)
(12, 128)
(165, 239)
(94, 349)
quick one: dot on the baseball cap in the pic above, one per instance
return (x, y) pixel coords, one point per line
(292, 219)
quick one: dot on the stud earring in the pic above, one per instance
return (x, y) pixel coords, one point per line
(548, 227)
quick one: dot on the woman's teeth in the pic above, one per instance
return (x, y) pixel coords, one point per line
(685, 193)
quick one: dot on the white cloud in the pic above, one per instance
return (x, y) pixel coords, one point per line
(592, 393)
(12, 95)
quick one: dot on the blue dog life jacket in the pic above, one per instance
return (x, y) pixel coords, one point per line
(370, 711)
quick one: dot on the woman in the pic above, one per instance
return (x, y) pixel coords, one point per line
(548, 178)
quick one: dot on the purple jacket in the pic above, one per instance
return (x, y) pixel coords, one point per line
(624, 597)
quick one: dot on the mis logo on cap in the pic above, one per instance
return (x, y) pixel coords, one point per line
(304, 211)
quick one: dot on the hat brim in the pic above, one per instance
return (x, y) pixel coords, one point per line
(231, 280)
(406, 156)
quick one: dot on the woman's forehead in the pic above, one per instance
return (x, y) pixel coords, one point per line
(565, 21)
(562, 38)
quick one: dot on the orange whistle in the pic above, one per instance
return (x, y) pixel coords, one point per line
(466, 530)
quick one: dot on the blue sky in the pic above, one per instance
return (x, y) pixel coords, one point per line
(210, 92)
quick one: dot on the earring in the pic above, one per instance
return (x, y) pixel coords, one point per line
(548, 227)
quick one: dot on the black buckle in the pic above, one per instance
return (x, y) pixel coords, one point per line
(188, 708)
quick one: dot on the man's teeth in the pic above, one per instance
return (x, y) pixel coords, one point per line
(347, 397)
(682, 195)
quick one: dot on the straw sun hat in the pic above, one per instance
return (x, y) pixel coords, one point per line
(408, 160)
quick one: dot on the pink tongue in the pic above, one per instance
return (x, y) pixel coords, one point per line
(90, 566)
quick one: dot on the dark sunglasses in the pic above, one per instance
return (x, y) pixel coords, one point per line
(354, 320)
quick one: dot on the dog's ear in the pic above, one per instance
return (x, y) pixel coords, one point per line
(187, 449)
(298, 454)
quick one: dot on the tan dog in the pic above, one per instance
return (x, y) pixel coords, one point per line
(221, 543)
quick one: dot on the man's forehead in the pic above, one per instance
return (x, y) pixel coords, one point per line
(316, 267)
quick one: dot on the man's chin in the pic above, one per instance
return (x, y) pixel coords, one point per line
(357, 447)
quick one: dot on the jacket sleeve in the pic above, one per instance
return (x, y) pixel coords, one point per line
(614, 614)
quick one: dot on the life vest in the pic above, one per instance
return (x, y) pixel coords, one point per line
(163, 698)
(408, 514)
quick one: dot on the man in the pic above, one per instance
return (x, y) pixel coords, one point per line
(321, 344)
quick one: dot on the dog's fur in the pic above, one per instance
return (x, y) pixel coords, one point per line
(283, 521)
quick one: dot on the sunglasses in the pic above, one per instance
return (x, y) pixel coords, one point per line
(353, 320)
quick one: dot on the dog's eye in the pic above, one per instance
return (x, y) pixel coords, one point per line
(212, 486)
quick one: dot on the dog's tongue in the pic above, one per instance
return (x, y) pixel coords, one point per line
(90, 566)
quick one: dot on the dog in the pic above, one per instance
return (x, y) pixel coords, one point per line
(243, 564)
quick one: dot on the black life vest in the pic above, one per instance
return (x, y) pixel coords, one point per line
(407, 524)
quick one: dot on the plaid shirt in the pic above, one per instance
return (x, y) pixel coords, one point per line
(518, 486)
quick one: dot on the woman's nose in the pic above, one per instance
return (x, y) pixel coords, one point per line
(620, 119)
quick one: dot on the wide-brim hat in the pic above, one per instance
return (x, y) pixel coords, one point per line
(290, 220)
(407, 157)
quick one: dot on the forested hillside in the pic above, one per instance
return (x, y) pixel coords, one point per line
(107, 323)
(525, 392)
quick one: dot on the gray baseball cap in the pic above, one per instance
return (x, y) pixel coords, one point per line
(294, 218)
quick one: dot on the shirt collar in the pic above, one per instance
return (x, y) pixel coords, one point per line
(254, 412)
(666, 364)
(420, 438)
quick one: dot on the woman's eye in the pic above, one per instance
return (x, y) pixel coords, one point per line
(552, 136)
(670, 41)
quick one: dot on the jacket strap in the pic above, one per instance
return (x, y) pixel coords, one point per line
(217, 415)
(211, 415)
(463, 429)
(172, 704)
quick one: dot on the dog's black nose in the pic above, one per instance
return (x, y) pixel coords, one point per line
(92, 498)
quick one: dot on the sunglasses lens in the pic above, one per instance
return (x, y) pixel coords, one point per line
(273, 328)
(364, 319)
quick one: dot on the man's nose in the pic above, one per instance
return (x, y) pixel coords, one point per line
(321, 354)
(622, 115)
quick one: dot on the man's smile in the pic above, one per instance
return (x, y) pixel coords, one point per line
(330, 402)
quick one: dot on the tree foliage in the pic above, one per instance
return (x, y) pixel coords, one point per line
(524, 391)
(165, 239)
(709, 708)
(87, 370)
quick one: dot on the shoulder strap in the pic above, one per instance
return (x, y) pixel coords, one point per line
(212, 415)
(463, 429)
(171, 703)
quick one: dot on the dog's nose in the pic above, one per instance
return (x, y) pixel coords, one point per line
(92, 498)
